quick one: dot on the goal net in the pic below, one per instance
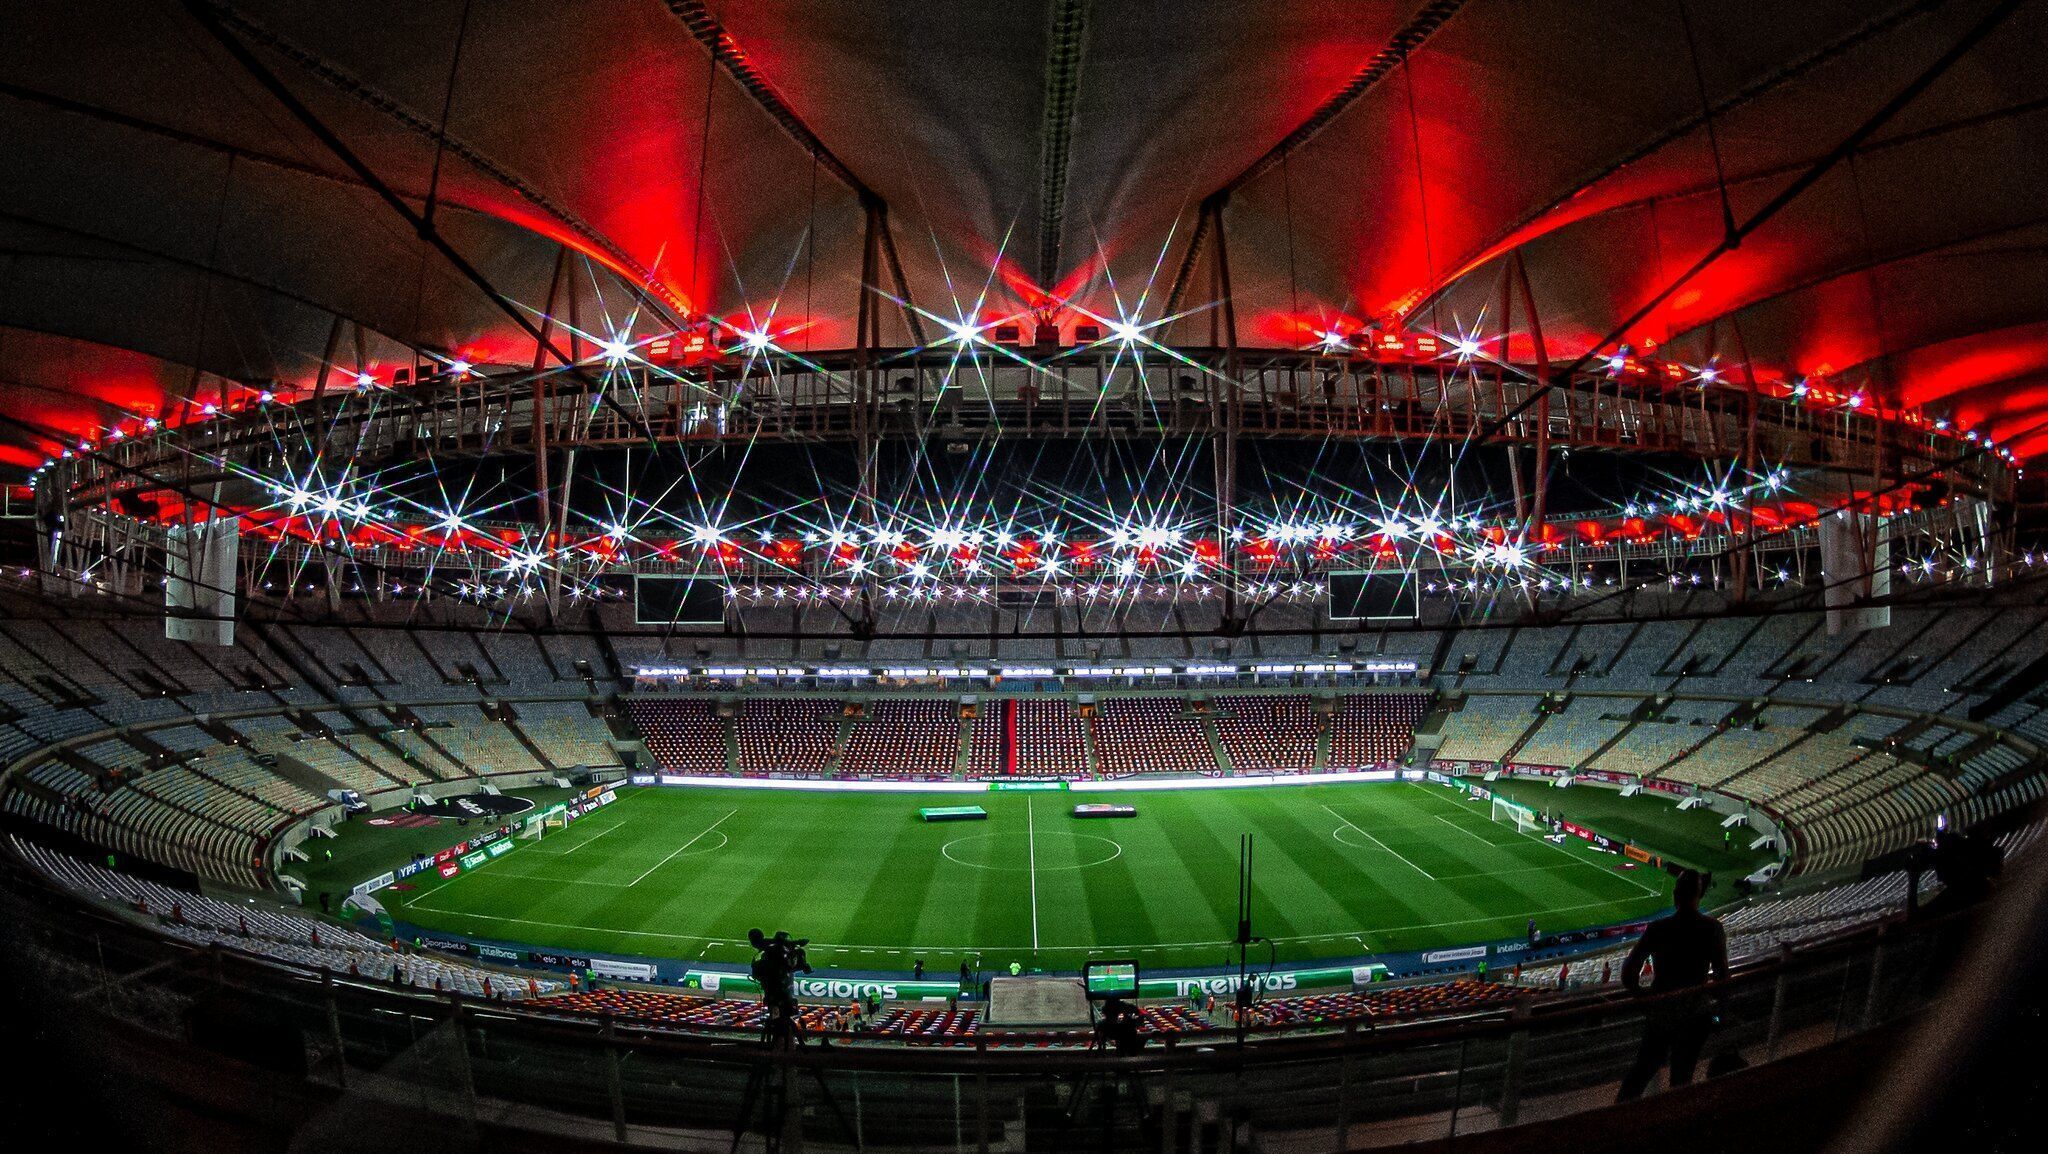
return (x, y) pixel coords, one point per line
(541, 825)
(1523, 817)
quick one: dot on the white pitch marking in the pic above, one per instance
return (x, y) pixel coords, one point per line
(1343, 935)
(686, 845)
(613, 828)
(1031, 843)
(1560, 849)
(1383, 845)
(1467, 832)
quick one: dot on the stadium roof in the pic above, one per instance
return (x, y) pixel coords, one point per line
(164, 215)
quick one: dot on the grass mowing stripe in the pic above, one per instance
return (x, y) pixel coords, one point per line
(1560, 849)
(1381, 844)
(686, 845)
(955, 948)
(614, 828)
(1468, 833)
(1317, 879)
(869, 883)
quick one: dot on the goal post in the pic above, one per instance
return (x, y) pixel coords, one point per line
(540, 825)
(1523, 817)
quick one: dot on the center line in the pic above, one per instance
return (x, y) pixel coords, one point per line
(1382, 845)
(686, 845)
(1031, 844)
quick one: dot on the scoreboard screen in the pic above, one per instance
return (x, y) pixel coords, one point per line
(678, 601)
(1386, 595)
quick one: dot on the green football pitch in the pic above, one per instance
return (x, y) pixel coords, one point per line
(1339, 870)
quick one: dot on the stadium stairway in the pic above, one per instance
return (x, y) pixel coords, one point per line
(531, 746)
(1634, 719)
(1789, 749)
(837, 760)
(963, 760)
(1515, 747)
(223, 783)
(305, 776)
(1216, 749)
(1091, 759)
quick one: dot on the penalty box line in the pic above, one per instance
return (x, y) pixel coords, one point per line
(1569, 855)
(1383, 845)
(686, 845)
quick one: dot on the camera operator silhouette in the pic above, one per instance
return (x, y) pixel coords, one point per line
(778, 959)
(1117, 1027)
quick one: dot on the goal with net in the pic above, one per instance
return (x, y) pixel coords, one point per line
(540, 825)
(1523, 817)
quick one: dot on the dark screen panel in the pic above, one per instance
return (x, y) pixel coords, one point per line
(678, 601)
(1392, 595)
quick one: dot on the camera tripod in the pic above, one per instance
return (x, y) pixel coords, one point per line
(764, 1104)
(1091, 1079)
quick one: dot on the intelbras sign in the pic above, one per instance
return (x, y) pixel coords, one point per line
(1194, 987)
(851, 989)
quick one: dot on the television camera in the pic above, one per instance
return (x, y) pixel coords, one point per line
(778, 960)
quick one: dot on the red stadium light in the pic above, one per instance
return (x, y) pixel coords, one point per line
(1023, 556)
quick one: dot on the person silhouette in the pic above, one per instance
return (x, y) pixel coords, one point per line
(1686, 950)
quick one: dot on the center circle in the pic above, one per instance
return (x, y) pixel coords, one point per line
(1007, 852)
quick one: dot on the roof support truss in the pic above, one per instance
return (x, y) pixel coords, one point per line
(1068, 35)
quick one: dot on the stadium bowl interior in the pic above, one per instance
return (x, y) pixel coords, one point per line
(1213, 570)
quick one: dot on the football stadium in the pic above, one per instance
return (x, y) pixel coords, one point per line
(1087, 576)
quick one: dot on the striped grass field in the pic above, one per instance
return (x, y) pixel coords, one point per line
(1339, 870)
